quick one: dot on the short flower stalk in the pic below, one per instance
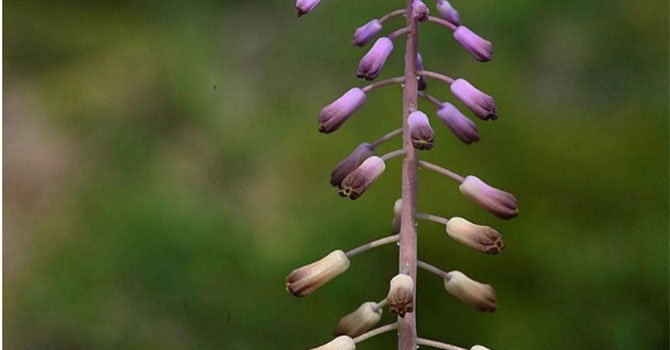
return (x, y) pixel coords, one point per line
(356, 175)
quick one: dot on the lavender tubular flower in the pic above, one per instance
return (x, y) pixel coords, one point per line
(356, 183)
(502, 204)
(366, 32)
(372, 63)
(305, 6)
(336, 113)
(464, 128)
(482, 238)
(349, 164)
(448, 12)
(480, 296)
(479, 48)
(420, 131)
(359, 321)
(340, 343)
(305, 280)
(420, 11)
(419, 67)
(401, 295)
(481, 104)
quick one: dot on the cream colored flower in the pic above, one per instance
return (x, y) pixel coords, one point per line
(360, 321)
(401, 295)
(340, 343)
(305, 280)
(479, 237)
(480, 296)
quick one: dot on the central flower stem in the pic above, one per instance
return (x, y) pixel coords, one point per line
(408, 237)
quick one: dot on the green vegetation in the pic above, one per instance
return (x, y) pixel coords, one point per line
(163, 174)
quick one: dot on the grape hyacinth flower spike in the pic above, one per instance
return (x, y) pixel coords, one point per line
(355, 174)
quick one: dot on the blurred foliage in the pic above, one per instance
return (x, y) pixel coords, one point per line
(163, 174)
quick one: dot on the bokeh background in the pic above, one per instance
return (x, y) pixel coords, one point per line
(163, 173)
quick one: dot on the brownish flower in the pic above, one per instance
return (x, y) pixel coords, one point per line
(305, 280)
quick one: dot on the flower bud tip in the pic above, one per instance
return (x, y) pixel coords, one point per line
(305, 6)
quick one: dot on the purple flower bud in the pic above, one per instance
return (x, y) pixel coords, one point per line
(305, 6)
(366, 32)
(419, 66)
(464, 128)
(420, 10)
(360, 179)
(372, 63)
(448, 12)
(480, 49)
(349, 164)
(481, 104)
(336, 113)
(420, 131)
(502, 204)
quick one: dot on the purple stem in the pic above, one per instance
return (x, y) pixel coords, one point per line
(430, 98)
(398, 32)
(435, 75)
(379, 84)
(408, 237)
(392, 14)
(442, 22)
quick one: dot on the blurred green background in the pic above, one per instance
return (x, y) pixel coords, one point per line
(163, 173)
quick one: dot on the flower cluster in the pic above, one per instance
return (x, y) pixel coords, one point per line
(355, 174)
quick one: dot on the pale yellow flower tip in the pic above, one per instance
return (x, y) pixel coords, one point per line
(480, 296)
(340, 343)
(360, 321)
(305, 280)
